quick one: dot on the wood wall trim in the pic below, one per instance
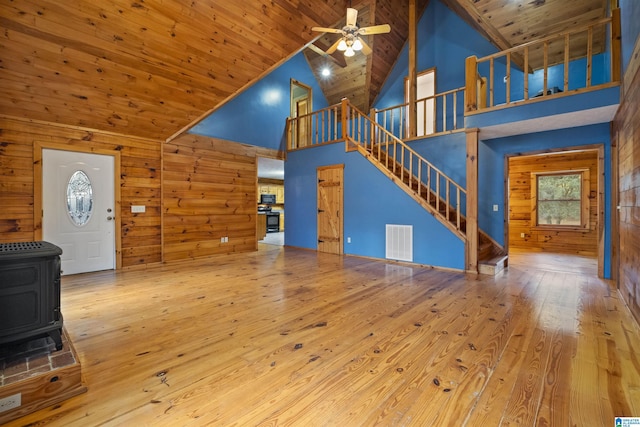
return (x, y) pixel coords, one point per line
(38, 146)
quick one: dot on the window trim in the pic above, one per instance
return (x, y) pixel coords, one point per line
(584, 201)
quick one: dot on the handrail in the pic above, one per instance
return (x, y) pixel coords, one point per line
(318, 127)
(443, 195)
(442, 112)
(499, 88)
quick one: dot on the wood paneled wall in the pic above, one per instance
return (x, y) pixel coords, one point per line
(626, 130)
(209, 193)
(522, 219)
(140, 182)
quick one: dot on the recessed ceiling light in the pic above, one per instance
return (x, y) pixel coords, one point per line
(326, 72)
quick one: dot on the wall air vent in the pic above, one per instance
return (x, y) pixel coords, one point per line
(399, 242)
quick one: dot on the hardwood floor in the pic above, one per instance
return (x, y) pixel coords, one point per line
(291, 337)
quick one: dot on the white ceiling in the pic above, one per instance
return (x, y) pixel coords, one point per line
(270, 168)
(558, 121)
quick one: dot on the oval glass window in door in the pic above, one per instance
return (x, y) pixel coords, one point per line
(79, 198)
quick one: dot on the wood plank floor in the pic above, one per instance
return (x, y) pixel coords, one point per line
(290, 337)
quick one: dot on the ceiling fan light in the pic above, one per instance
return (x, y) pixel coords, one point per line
(349, 52)
(357, 45)
(342, 46)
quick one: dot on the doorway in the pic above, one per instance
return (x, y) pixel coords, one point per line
(330, 209)
(425, 108)
(301, 104)
(78, 208)
(554, 202)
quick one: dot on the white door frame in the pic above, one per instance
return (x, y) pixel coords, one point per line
(37, 189)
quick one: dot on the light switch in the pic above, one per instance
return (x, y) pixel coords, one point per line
(138, 208)
(495, 208)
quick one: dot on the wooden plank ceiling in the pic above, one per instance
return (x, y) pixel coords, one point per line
(150, 68)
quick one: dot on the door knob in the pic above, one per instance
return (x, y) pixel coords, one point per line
(109, 210)
(110, 218)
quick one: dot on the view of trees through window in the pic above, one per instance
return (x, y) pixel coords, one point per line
(559, 199)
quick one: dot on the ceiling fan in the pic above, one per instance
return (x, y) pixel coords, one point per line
(351, 40)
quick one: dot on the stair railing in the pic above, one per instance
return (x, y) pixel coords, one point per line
(426, 183)
(315, 128)
(441, 113)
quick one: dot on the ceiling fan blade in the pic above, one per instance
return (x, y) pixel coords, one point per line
(376, 29)
(352, 17)
(333, 47)
(326, 30)
(365, 47)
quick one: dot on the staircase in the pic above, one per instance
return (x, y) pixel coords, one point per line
(426, 184)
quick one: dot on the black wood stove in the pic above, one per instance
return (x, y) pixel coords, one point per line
(30, 292)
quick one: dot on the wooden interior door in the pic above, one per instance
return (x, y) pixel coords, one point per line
(330, 207)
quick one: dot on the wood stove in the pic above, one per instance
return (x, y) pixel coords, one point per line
(30, 292)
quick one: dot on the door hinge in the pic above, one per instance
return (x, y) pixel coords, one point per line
(320, 180)
(320, 241)
(320, 210)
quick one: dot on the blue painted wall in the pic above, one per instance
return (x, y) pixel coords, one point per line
(258, 115)
(491, 162)
(444, 42)
(630, 28)
(371, 200)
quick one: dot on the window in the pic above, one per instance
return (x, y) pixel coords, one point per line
(561, 199)
(79, 198)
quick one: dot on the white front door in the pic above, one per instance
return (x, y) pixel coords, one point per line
(78, 209)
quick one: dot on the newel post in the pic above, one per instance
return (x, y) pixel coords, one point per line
(344, 117)
(471, 248)
(471, 85)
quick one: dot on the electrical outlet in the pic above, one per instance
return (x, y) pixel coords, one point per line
(522, 235)
(495, 208)
(222, 240)
(348, 239)
(10, 402)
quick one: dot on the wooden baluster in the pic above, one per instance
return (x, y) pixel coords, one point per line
(526, 72)
(589, 55)
(455, 110)
(448, 202)
(458, 206)
(546, 68)
(491, 82)
(438, 191)
(444, 114)
(428, 184)
(566, 63)
(508, 76)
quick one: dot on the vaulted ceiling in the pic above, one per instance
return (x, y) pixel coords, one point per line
(150, 68)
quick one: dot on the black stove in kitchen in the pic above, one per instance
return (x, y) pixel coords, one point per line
(273, 218)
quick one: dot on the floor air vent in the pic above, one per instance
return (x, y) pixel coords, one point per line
(399, 243)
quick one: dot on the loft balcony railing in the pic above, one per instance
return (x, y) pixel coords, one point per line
(575, 61)
(316, 128)
(441, 113)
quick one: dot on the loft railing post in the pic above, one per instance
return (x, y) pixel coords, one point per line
(616, 75)
(344, 106)
(289, 139)
(471, 78)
